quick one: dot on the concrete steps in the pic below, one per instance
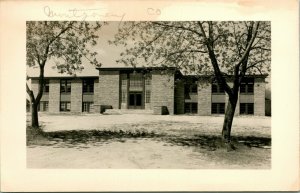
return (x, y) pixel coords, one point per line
(126, 111)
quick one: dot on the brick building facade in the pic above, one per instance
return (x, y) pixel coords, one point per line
(163, 91)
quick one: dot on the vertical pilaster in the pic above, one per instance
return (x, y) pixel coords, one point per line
(162, 92)
(204, 98)
(54, 95)
(259, 97)
(76, 95)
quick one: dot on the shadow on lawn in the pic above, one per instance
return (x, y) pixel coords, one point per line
(212, 143)
(80, 137)
(71, 139)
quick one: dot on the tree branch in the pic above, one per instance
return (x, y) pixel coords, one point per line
(219, 75)
(255, 63)
(178, 27)
(249, 44)
(30, 93)
(259, 47)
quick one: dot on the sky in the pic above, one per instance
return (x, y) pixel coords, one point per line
(107, 55)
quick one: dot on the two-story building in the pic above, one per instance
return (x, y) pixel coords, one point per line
(163, 91)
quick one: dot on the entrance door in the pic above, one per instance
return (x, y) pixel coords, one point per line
(135, 100)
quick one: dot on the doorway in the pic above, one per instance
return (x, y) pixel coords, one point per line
(135, 100)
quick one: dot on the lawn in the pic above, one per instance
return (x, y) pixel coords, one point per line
(148, 142)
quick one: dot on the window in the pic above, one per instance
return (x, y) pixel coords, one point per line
(88, 86)
(247, 108)
(123, 96)
(191, 108)
(46, 86)
(148, 80)
(215, 88)
(65, 86)
(194, 88)
(247, 86)
(218, 108)
(86, 106)
(190, 89)
(65, 106)
(124, 79)
(43, 106)
(148, 96)
(136, 82)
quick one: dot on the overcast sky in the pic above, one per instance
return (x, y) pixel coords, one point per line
(107, 54)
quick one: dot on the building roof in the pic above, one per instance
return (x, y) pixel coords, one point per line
(94, 75)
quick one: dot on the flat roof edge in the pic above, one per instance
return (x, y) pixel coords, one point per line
(61, 77)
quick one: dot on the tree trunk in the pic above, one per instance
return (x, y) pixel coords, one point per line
(34, 115)
(226, 131)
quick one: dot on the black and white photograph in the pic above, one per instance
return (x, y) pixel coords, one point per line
(149, 94)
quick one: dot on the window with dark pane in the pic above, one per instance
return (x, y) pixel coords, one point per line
(217, 89)
(191, 108)
(88, 86)
(247, 108)
(247, 86)
(194, 107)
(46, 86)
(218, 108)
(194, 88)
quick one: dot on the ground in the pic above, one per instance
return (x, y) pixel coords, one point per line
(148, 142)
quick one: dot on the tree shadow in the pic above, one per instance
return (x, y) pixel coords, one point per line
(212, 143)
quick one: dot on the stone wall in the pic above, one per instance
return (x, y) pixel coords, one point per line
(204, 98)
(76, 95)
(54, 95)
(109, 86)
(259, 97)
(162, 92)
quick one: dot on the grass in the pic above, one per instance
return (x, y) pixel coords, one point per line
(205, 141)
(149, 144)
